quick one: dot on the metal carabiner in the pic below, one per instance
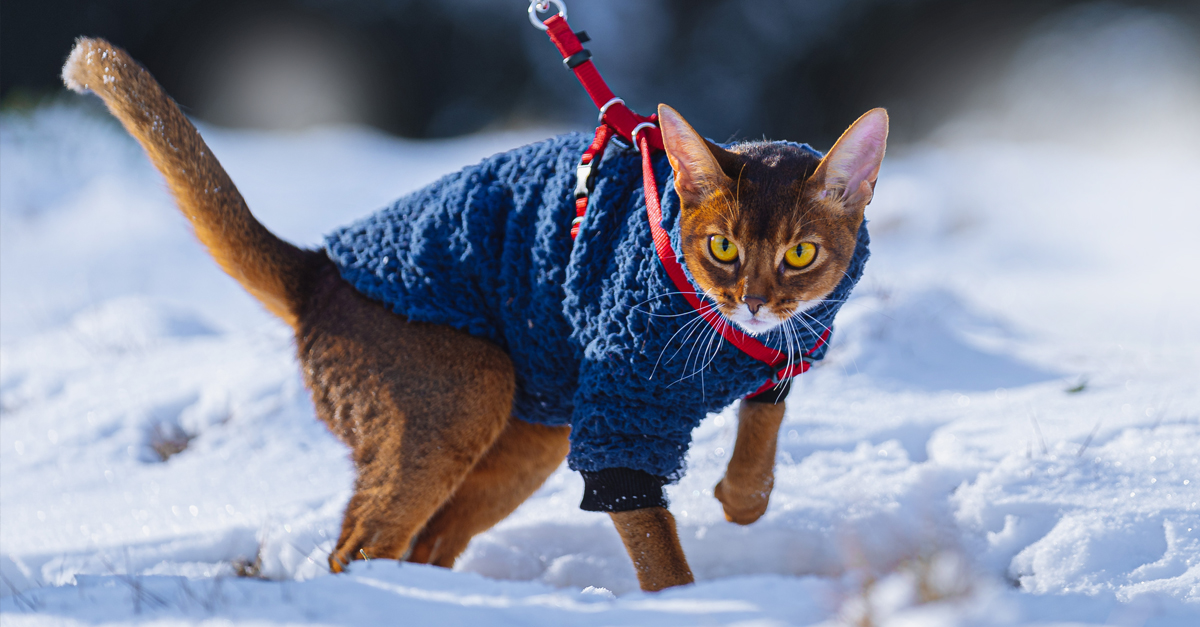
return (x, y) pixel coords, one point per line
(541, 6)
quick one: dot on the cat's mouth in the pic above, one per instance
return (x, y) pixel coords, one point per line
(754, 323)
(764, 319)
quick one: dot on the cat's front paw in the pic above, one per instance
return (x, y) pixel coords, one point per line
(744, 502)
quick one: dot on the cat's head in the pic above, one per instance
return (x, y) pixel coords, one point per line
(767, 228)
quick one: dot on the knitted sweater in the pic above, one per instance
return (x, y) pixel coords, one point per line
(598, 336)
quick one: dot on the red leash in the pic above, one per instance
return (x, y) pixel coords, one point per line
(579, 60)
(644, 133)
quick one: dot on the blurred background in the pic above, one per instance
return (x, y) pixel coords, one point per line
(795, 69)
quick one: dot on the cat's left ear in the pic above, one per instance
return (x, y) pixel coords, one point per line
(698, 174)
(850, 168)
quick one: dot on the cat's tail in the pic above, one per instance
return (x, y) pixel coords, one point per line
(272, 270)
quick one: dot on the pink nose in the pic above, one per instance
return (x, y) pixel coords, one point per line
(754, 303)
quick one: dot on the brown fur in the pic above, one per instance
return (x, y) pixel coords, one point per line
(274, 271)
(745, 489)
(653, 544)
(766, 198)
(425, 409)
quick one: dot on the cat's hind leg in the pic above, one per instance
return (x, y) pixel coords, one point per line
(418, 404)
(745, 489)
(514, 467)
(652, 542)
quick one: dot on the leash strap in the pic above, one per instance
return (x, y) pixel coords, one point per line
(579, 61)
(643, 132)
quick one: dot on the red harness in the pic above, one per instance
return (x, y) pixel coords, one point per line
(644, 133)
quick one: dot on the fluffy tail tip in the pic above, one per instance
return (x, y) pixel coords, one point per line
(75, 71)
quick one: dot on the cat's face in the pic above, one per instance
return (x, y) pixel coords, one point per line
(768, 230)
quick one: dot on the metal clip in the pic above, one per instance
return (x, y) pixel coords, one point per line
(585, 178)
(637, 129)
(612, 101)
(541, 6)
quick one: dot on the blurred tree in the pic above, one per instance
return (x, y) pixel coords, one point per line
(801, 69)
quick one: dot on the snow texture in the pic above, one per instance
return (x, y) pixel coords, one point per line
(1005, 432)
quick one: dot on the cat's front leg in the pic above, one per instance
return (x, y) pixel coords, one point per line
(745, 489)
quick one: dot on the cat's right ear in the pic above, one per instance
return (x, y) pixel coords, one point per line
(849, 170)
(698, 175)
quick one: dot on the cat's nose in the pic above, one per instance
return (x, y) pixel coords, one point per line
(754, 303)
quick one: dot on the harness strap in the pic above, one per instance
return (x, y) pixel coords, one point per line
(621, 117)
(777, 360)
(585, 174)
(643, 132)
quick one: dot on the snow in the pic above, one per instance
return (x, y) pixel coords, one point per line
(1006, 431)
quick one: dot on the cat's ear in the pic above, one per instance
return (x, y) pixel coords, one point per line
(697, 172)
(850, 168)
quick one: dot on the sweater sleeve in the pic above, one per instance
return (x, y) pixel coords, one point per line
(622, 420)
(625, 450)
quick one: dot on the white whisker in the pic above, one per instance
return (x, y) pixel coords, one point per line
(667, 345)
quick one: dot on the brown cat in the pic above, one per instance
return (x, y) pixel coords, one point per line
(444, 423)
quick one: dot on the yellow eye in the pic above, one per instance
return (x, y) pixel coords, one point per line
(801, 255)
(723, 249)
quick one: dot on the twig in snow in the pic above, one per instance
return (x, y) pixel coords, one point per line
(1091, 435)
(168, 440)
(1038, 430)
(208, 602)
(134, 583)
(245, 567)
(317, 547)
(1162, 414)
(187, 591)
(20, 598)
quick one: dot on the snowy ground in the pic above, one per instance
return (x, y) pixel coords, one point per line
(1007, 430)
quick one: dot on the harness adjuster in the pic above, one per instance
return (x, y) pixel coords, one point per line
(585, 178)
(798, 367)
(577, 59)
(776, 388)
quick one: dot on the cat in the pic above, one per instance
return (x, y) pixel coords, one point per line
(461, 345)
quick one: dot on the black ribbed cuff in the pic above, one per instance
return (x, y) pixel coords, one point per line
(621, 489)
(773, 395)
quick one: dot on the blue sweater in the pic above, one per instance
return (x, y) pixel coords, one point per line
(597, 335)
